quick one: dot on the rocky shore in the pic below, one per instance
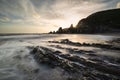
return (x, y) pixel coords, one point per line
(105, 46)
(92, 67)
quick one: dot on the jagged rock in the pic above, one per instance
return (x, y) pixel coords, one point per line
(75, 64)
(36, 70)
(57, 52)
(65, 41)
(106, 46)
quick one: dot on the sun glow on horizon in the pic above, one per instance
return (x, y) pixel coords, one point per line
(65, 23)
(42, 16)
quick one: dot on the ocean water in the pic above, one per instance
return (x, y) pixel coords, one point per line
(16, 63)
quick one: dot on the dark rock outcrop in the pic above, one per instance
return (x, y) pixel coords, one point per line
(107, 21)
(93, 70)
(103, 21)
(104, 46)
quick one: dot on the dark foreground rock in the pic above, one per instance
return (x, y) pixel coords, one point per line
(86, 69)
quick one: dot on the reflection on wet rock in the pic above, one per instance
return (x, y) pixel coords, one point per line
(92, 68)
(68, 42)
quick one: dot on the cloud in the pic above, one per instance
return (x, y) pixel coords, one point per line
(74, 10)
(50, 13)
(4, 19)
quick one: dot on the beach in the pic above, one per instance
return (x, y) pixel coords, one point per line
(60, 57)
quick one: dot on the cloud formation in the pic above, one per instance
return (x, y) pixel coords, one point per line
(49, 14)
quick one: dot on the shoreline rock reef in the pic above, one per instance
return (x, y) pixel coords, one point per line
(105, 46)
(93, 67)
(100, 22)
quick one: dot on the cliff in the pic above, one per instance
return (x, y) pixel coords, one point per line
(99, 22)
(103, 21)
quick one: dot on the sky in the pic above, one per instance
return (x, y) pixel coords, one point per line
(42, 16)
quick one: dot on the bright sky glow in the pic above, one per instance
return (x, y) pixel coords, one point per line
(42, 16)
